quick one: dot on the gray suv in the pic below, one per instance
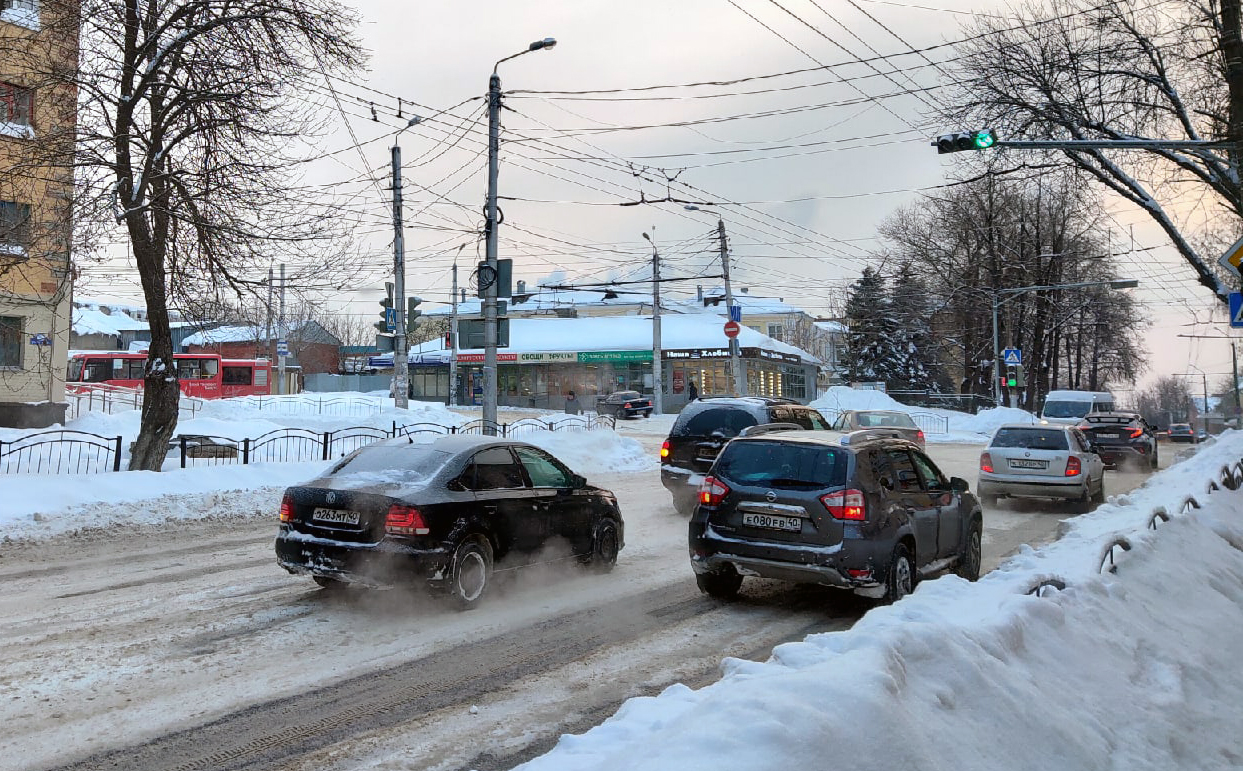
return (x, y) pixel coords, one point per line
(869, 515)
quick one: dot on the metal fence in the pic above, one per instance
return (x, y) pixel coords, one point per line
(84, 398)
(301, 404)
(77, 452)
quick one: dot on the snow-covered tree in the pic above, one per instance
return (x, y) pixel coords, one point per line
(871, 342)
(919, 354)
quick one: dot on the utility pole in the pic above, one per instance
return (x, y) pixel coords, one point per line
(996, 352)
(493, 274)
(268, 321)
(735, 354)
(453, 341)
(282, 345)
(658, 376)
(401, 360)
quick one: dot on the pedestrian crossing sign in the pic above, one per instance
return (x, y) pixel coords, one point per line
(1236, 309)
(1012, 356)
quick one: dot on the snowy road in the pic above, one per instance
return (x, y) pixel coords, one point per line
(185, 647)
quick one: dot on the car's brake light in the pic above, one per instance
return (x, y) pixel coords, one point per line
(1073, 466)
(712, 491)
(845, 504)
(626, 405)
(986, 462)
(1084, 426)
(287, 514)
(405, 520)
(1136, 433)
(920, 434)
(664, 449)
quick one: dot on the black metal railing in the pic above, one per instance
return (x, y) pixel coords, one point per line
(62, 451)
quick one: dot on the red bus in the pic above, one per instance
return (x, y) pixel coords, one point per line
(203, 375)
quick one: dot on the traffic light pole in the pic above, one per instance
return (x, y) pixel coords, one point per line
(401, 365)
(735, 358)
(996, 351)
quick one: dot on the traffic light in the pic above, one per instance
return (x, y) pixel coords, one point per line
(966, 140)
(412, 313)
(388, 315)
(1012, 375)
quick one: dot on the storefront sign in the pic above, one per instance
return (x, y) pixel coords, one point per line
(760, 353)
(539, 358)
(560, 357)
(472, 358)
(696, 353)
(595, 356)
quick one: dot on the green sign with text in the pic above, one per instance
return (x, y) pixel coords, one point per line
(594, 356)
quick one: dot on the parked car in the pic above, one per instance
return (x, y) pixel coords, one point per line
(1121, 438)
(624, 404)
(1183, 432)
(898, 424)
(871, 515)
(1025, 460)
(704, 426)
(443, 511)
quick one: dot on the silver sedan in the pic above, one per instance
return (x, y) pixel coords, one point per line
(1026, 460)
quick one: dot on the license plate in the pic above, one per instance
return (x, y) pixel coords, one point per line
(1021, 463)
(336, 516)
(792, 524)
(1107, 436)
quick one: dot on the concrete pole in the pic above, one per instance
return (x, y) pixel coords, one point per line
(281, 387)
(453, 342)
(401, 358)
(996, 353)
(735, 353)
(489, 293)
(658, 377)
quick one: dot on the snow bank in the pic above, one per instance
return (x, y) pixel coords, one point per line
(1133, 670)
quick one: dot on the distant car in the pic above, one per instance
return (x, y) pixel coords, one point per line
(704, 426)
(1121, 438)
(624, 404)
(871, 516)
(1026, 460)
(443, 512)
(1183, 432)
(897, 423)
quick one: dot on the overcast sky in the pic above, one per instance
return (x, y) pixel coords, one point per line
(805, 188)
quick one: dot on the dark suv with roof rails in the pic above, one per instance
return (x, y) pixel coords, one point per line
(871, 515)
(705, 425)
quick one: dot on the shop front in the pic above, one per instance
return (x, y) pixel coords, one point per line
(542, 379)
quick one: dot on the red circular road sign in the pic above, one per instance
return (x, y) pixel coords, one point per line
(732, 329)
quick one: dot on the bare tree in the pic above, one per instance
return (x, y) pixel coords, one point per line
(1166, 401)
(189, 114)
(1079, 69)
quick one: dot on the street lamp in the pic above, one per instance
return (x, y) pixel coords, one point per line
(401, 355)
(490, 291)
(1121, 283)
(658, 375)
(739, 384)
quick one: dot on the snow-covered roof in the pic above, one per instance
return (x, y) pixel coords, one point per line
(92, 320)
(237, 334)
(831, 326)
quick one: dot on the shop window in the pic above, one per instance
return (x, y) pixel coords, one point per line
(11, 342)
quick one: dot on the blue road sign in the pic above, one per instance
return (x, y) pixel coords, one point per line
(390, 319)
(1236, 309)
(735, 313)
(1012, 356)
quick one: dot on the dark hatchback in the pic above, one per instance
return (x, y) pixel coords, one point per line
(704, 426)
(872, 516)
(624, 404)
(443, 512)
(1121, 438)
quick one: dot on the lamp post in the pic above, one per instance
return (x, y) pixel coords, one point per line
(1121, 283)
(490, 291)
(739, 380)
(658, 375)
(401, 355)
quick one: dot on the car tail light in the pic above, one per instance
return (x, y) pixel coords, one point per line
(712, 491)
(405, 520)
(863, 574)
(986, 462)
(626, 405)
(287, 514)
(664, 449)
(1084, 426)
(1136, 433)
(920, 435)
(1073, 466)
(845, 504)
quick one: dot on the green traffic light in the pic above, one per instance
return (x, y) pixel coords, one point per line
(984, 139)
(1011, 382)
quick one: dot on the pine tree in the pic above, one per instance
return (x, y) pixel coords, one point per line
(871, 353)
(919, 366)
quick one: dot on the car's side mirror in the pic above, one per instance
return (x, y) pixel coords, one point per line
(959, 485)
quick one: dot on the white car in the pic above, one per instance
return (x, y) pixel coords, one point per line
(1026, 460)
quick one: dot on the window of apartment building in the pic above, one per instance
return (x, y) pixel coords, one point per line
(19, 5)
(17, 104)
(775, 331)
(10, 342)
(14, 227)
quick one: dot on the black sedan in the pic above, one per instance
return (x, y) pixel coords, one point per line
(1121, 438)
(624, 404)
(443, 512)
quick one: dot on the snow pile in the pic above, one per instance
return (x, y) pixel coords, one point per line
(1134, 670)
(962, 426)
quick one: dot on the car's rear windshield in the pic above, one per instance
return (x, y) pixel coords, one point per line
(1066, 409)
(408, 464)
(782, 464)
(874, 419)
(729, 421)
(808, 419)
(1031, 438)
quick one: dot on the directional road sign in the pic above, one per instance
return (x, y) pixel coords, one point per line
(1236, 309)
(1012, 356)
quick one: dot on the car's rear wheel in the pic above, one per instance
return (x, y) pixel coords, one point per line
(972, 553)
(901, 578)
(1083, 504)
(471, 571)
(722, 584)
(604, 546)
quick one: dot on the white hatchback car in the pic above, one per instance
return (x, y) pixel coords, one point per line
(1027, 460)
